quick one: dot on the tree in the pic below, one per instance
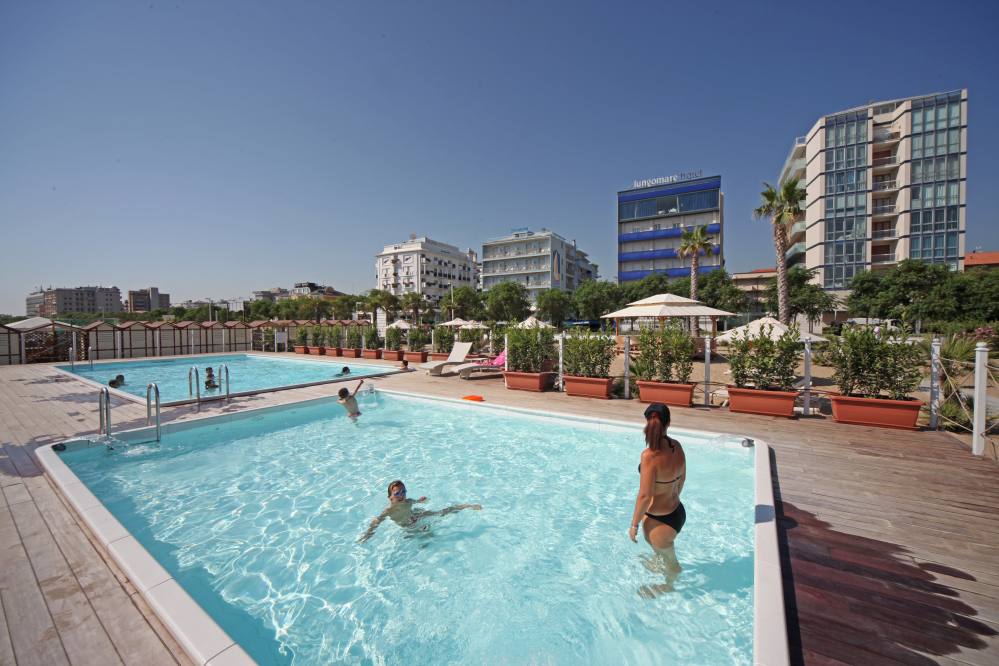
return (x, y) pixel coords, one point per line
(717, 291)
(803, 296)
(783, 208)
(981, 294)
(343, 306)
(693, 242)
(287, 308)
(463, 305)
(317, 307)
(389, 303)
(911, 290)
(553, 305)
(509, 301)
(650, 285)
(595, 298)
(414, 304)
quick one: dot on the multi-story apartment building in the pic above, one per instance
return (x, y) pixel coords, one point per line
(884, 182)
(425, 266)
(34, 302)
(147, 300)
(272, 294)
(313, 290)
(90, 300)
(539, 260)
(651, 219)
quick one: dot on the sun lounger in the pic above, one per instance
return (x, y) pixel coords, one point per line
(466, 370)
(457, 357)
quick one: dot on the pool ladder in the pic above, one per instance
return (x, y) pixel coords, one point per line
(149, 408)
(195, 390)
(104, 408)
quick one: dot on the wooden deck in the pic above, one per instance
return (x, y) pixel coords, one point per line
(889, 539)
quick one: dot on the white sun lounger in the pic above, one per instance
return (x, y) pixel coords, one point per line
(466, 370)
(457, 357)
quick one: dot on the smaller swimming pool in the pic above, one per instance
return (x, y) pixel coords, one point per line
(247, 372)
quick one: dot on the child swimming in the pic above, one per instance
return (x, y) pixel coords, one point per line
(348, 400)
(401, 512)
(345, 371)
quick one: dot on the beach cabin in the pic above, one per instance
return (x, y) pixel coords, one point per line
(260, 332)
(10, 346)
(102, 340)
(213, 337)
(168, 338)
(137, 339)
(191, 336)
(239, 336)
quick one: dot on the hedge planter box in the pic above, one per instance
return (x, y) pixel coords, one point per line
(301, 349)
(351, 353)
(416, 356)
(878, 412)
(526, 381)
(317, 351)
(768, 403)
(587, 387)
(438, 356)
(390, 355)
(668, 393)
(372, 353)
(334, 351)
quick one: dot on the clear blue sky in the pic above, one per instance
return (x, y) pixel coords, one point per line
(214, 148)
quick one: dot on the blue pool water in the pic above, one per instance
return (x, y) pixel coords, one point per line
(247, 372)
(259, 521)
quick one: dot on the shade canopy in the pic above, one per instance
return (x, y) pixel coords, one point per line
(476, 325)
(34, 323)
(667, 305)
(455, 322)
(531, 322)
(753, 329)
(400, 324)
(665, 299)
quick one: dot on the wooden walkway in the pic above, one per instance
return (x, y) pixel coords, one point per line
(889, 540)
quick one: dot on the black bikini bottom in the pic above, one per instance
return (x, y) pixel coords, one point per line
(674, 520)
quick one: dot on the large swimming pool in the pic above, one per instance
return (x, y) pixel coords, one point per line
(247, 372)
(259, 521)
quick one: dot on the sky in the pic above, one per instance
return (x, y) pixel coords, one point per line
(211, 149)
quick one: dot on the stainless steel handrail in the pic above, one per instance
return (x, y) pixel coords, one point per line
(90, 356)
(221, 366)
(104, 408)
(149, 408)
(197, 385)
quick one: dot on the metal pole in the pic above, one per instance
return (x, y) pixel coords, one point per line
(561, 366)
(197, 385)
(627, 370)
(981, 404)
(707, 372)
(73, 351)
(155, 388)
(24, 358)
(90, 356)
(934, 382)
(808, 376)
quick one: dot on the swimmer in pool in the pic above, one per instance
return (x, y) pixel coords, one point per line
(400, 510)
(658, 509)
(210, 379)
(348, 400)
(345, 371)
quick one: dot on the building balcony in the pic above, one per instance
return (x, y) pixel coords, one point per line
(517, 269)
(668, 272)
(883, 233)
(797, 231)
(794, 250)
(657, 254)
(530, 284)
(883, 259)
(881, 137)
(884, 211)
(662, 233)
(883, 164)
(515, 253)
(886, 186)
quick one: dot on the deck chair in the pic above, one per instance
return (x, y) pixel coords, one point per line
(466, 370)
(457, 357)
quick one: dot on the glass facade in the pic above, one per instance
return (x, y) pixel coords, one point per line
(668, 205)
(846, 187)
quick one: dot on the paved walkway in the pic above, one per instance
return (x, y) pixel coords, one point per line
(889, 540)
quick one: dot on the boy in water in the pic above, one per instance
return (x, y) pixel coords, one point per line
(348, 400)
(400, 510)
(345, 371)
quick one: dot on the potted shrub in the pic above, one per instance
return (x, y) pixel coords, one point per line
(670, 361)
(417, 339)
(372, 343)
(875, 376)
(393, 345)
(335, 334)
(443, 343)
(587, 360)
(302, 340)
(473, 335)
(318, 346)
(529, 350)
(770, 366)
(353, 348)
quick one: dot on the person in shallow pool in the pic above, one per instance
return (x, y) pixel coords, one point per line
(210, 379)
(400, 510)
(345, 371)
(658, 509)
(348, 400)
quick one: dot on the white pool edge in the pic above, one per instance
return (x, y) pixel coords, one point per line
(207, 644)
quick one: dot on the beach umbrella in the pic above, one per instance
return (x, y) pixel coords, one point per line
(400, 324)
(753, 329)
(531, 322)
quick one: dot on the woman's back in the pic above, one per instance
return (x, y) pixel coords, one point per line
(668, 469)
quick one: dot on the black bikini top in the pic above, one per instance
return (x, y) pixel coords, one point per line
(671, 448)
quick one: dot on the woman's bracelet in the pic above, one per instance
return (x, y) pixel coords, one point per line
(635, 527)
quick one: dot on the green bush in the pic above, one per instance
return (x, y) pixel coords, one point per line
(319, 336)
(393, 339)
(669, 352)
(868, 365)
(588, 355)
(302, 336)
(371, 339)
(353, 337)
(417, 339)
(472, 335)
(770, 364)
(529, 348)
(335, 336)
(443, 340)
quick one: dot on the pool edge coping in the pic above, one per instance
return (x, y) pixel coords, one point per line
(199, 634)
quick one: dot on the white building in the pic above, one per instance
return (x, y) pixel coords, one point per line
(538, 260)
(425, 266)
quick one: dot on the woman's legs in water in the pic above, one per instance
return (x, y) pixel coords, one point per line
(661, 537)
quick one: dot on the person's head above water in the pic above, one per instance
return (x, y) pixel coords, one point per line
(345, 370)
(397, 491)
(343, 393)
(657, 420)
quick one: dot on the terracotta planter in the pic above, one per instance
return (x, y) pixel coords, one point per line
(768, 403)
(372, 353)
(438, 356)
(301, 349)
(351, 353)
(390, 355)
(878, 412)
(526, 381)
(547, 366)
(668, 393)
(334, 351)
(589, 387)
(416, 356)
(317, 351)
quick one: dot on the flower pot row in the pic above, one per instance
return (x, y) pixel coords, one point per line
(348, 352)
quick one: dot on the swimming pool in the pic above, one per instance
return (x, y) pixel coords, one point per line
(247, 372)
(258, 519)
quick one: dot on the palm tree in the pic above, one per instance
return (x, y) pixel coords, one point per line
(415, 303)
(692, 243)
(783, 208)
(317, 306)
(388, 302)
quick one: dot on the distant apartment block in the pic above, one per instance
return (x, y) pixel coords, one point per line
(651, 220)
(886, 182)
(538, 260)
(754, 283)
(313, 290)
(147, 300)
(426, 267)
(986, 259)
(88, 300)
(272, 294)
(34, 303)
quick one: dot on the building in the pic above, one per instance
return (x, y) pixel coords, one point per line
(272, 294)
(986, 259)
(652, 216)
(34, 303)
(147, 300)
(885, 182)
(313, 290)
(192, 305)
(100, 301)
(425, 266)
(753, 283)
(539, 260)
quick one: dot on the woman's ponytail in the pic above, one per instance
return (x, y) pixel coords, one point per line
(654, 432)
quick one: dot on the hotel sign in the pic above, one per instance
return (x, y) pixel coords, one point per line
(668, 179)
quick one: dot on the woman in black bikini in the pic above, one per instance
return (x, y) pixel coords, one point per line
(663, 470)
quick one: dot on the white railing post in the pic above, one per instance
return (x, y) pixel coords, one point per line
(561, 349)
(934, 382)
(627, 369)
(707, 372)
(808, 378)
(981, 399)
(24, 359)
